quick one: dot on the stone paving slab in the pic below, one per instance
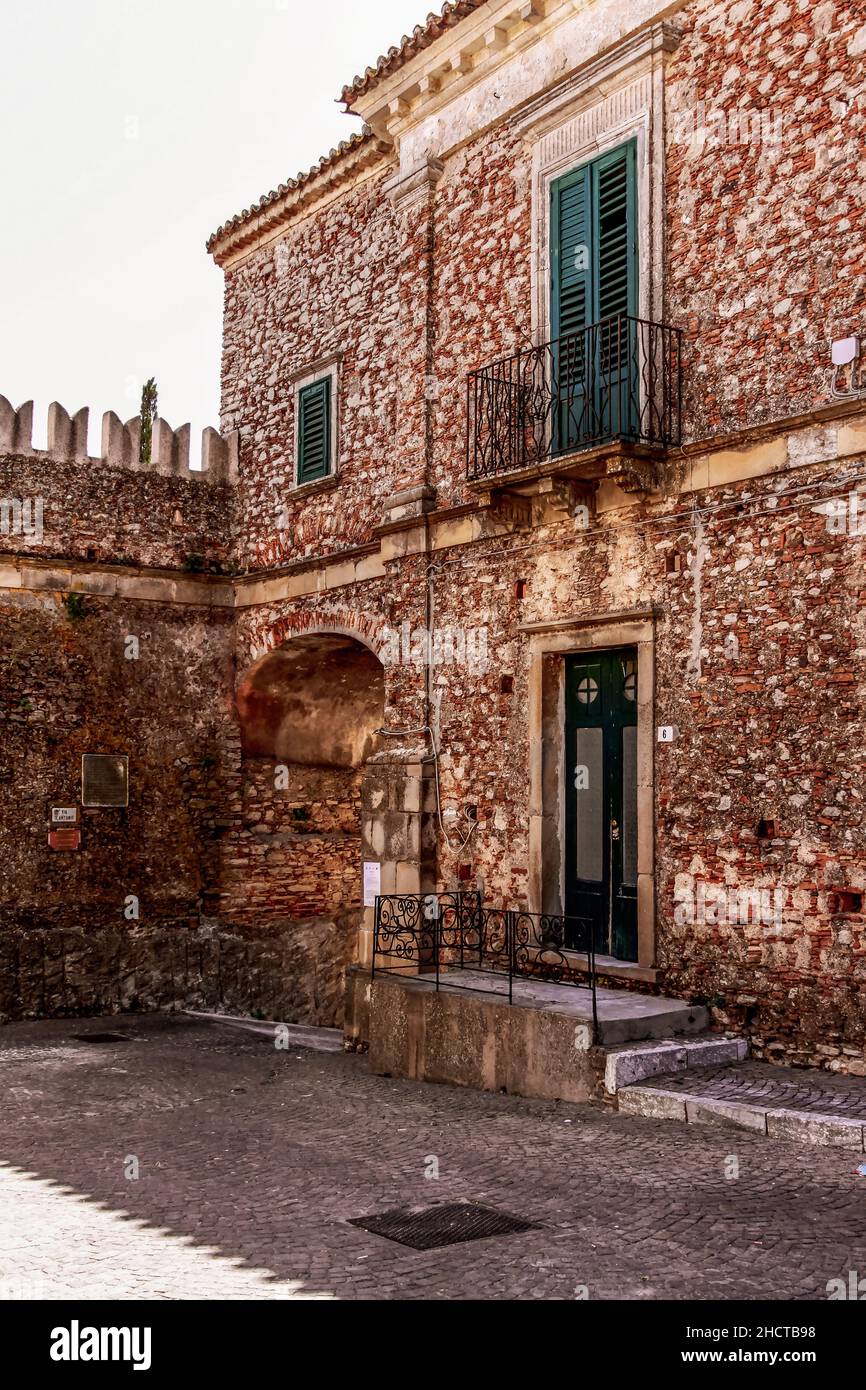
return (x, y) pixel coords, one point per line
(812, 1107)
(252, 1162)
(776, 1088)
(627, 1065)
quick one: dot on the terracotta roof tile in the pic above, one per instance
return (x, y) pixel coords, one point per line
(421, 37)
(345, 147)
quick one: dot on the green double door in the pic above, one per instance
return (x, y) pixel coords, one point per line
(601, 798)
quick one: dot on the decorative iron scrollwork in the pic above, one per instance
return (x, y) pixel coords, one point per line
(458, 937)
(616, 379)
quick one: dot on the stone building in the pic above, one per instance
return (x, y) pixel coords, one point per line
(528, 562)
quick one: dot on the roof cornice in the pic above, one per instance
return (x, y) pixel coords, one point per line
(422, 36)
(352, 160)
(448, 57)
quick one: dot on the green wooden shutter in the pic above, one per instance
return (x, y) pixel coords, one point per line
(593, 268)
(593, 243)
(314, 430)
(615, 233)
(570, 254)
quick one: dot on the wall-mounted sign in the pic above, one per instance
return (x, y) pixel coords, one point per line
(104, 779)
(64, 815)
(372, 883)
(68, 837)
(668, 732)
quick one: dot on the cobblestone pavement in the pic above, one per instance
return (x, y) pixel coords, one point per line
(251, 1162)
(771, 1087)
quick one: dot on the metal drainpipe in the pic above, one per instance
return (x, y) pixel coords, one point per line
(428, 623)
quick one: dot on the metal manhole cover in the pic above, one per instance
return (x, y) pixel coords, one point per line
(100, 1037)
(450, 1224)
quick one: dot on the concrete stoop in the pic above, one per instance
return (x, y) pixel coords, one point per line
(543, 1044)
(781, 1102)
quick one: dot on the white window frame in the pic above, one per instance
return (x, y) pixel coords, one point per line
(325, 367)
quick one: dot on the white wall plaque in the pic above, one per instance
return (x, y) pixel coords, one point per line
(64, 815)
(372, 882)
(667, 733)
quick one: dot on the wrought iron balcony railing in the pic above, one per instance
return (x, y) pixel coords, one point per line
(619, 379)
(457, 939)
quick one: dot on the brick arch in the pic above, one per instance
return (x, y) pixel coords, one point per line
(361, 627)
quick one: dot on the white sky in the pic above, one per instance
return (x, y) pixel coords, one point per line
(130, 130)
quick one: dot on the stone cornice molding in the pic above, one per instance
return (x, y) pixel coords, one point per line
(481, 41)
(405, 191)
(626, 68)
(269, 219)
(400, 95)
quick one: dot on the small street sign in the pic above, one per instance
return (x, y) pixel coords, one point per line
(68, 837)
(64, 815)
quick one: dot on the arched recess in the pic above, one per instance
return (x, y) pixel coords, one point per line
(317, 701)
(292, 861)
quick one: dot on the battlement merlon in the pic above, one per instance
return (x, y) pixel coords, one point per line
(67, 443)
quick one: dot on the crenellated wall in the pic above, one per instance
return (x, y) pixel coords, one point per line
(67, 442)
(115, 509)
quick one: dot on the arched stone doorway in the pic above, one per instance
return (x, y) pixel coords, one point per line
(292, 863)
(317, 701)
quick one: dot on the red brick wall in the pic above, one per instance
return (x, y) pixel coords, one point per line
(296, 849)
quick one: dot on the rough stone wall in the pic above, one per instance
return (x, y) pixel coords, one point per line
(119, 515)
(771, 730)
(66, 689)
(765, 235)
(274, 939)
(296, 852)
(329, 286)
(764, 265)
(294, 974)
(483, 213)
(766, 684)
(765, 221)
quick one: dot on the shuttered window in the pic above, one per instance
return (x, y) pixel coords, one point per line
(593, 242)
(314, 430)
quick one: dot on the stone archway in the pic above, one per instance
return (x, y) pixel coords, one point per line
(317, 700)
(308, 712)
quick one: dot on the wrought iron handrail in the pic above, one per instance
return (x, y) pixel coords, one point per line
(620, 378)
(440, 933)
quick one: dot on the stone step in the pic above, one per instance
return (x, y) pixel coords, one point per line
(627, 1065)
(806, 1107)
(625, 1016)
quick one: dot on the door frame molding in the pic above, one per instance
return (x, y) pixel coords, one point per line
(549, 644)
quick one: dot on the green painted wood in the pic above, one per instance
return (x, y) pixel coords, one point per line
(594, 280)
(600, 811)
(314, 430)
